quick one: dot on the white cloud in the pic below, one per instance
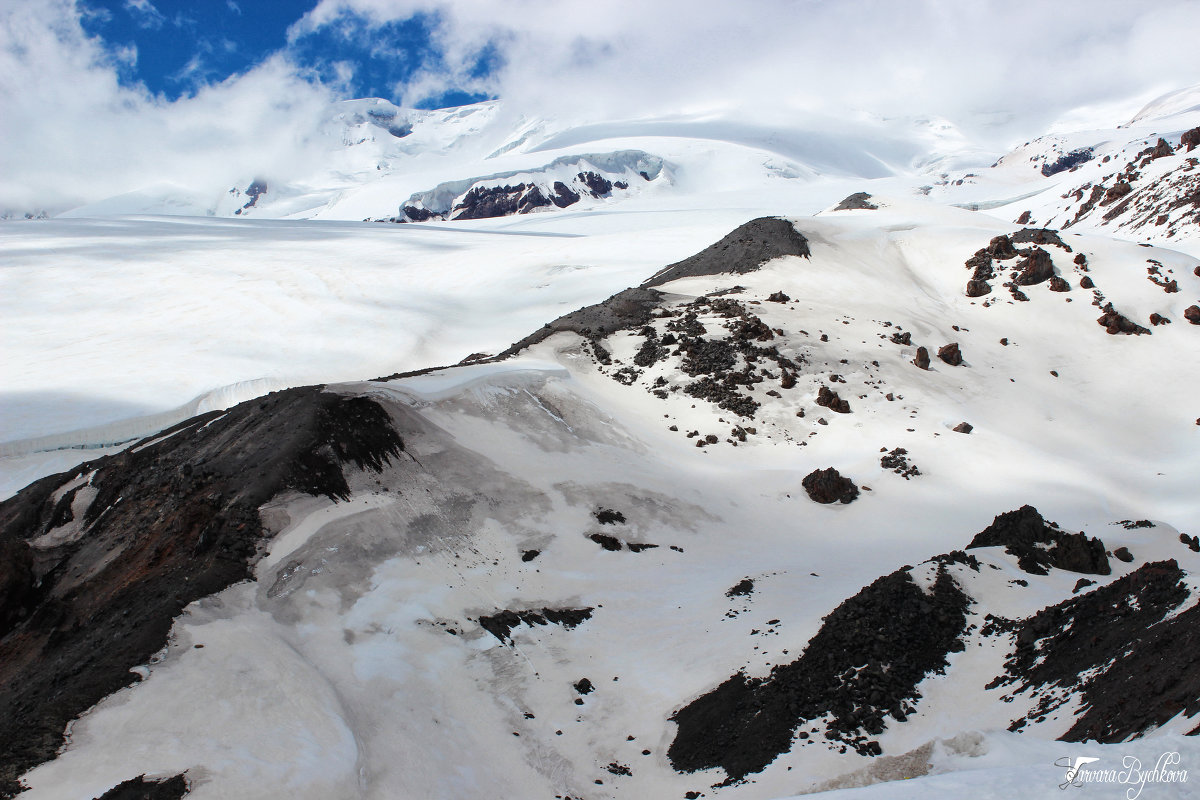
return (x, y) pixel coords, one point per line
(72, 133)
(976, 62)
(1003, 70)
(145, 14)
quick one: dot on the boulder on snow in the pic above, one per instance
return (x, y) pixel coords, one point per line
(1040, 236)
(1157, 319)
(951, 354)
(1059, 284)
(829, 399)
(964, 427)
(1086, 282)
(1035, 268)
(978, 288)
(829, 486)
(1192, 314)
(922, 359)
(1025, 218)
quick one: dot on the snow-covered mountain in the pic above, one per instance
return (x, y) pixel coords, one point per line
(623, 497)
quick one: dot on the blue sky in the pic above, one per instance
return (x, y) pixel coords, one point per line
(174, 47)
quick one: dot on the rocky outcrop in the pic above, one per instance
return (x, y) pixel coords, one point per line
(140, 788)
(169, 521)
(860, 670)
(1035, 268)
(1115, 322)
(1039, 545)
(1067, 161)
(744, 250)
(1190, 139)
(859, 201)
(1162, 149)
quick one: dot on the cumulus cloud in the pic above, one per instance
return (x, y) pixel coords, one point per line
(1002, 70)
(72, 133)
(980, 63)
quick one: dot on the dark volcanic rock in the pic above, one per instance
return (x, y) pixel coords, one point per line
(963, 427)
(501, 623)
(171, 522)
(1115, 322)
(829, 486)
(140, 788)
(1123, 554)
(1152, 681)
(1086, 282)
(564, 195)
(1157, 319)
(950, 354)
(744, 250)
(415, 214)
(630, 308)
(863, 665)
(1039, 236)
(1035, 268)
(1059, 284)
(1067, 161)
(922, 358)
(1024, 534)
(859, 201)
(1025, 218)
(1001, 248)
(743, 588)
(607, 516)
(1192, 314)
(829, 399)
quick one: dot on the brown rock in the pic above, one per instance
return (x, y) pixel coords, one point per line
(1001, 247)
(1157, 319)
(1162, 148)
(829, 486)
(951, 354)
(1081, 259)
(1059, 284)
(829, 399)
(1190, 139)
(1035, 268)
(1025, 218)
(1086, 282)
(964, 427)
(1192, 314)
(1196, 272)
(1116, 192)
(978, 288)
(1115, 322)
(922, 359)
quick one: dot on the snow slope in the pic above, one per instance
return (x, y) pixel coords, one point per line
(356, 663)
